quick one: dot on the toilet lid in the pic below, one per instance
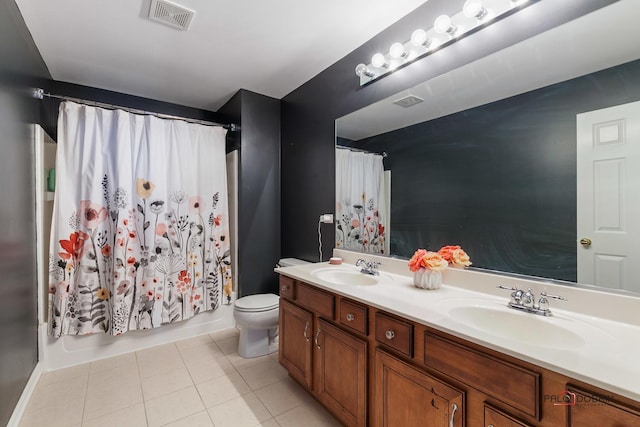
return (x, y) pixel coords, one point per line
(258, 302)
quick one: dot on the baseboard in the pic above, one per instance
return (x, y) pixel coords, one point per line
(21, 406)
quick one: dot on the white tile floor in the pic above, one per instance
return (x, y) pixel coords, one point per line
(197, 382)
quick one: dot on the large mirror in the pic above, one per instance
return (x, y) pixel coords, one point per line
(498, 157)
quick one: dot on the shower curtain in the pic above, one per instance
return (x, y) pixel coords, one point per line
(140, 224)
(361, 217)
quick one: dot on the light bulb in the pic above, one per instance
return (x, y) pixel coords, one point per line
(419, 38)
(363, 71)
(397, 51)
(443, 25)
(378, 60)
(474, 9)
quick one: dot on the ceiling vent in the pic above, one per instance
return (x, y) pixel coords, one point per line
(171, 14)
(408, 101)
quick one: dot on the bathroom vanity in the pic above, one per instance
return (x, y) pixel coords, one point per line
(384, 353)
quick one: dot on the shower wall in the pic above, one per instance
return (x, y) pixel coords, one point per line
(21, 68)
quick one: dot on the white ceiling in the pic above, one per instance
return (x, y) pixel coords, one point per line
(599, 40)
(270, 47)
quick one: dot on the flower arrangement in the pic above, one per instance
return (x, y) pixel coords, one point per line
(428, 266)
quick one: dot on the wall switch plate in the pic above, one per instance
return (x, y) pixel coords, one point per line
(326, 218)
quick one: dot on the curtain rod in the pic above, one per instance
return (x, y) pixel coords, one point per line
(40, 94)
(342, 147)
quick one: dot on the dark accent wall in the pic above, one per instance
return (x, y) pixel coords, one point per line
(21, 68)
(499, 179)
(309, 112)
(259, 190)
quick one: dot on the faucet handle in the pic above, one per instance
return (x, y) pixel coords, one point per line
(360, 261)
(516, 295)
(544, 294)
(544, 302)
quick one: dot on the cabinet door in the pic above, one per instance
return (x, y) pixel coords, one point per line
(340, 374)
(590, 409)
(406, 396)
(296, 330)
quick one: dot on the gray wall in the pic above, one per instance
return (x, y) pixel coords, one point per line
(259, 190)
(21, 68)
(309, 112)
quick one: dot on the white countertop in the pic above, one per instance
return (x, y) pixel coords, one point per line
(602, 345)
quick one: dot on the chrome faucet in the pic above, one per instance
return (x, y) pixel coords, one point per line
(368, 267)
(526, 301)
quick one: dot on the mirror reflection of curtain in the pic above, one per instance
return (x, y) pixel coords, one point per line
(361, 202)
(140, 223)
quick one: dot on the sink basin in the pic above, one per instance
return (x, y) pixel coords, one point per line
(344, 276)
(494, 318)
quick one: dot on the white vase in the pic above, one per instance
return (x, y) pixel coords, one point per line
(427, 279)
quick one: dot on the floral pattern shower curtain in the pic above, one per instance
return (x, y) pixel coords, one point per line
(140, 232)
(360, 202)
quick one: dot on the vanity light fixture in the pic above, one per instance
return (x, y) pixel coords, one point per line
(419, 38)
(363, 71)
(397, 51)
(445, 31)
(474, 9)
(443, 25)
(379, 61)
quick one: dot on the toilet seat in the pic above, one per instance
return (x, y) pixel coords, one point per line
(257, 303)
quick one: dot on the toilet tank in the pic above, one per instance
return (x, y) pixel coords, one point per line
(290, 262)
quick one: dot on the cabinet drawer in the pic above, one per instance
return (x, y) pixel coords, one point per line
(511, 384)
(394, 333)
(286, 287)
(314, 299)
(354, 316)
(495, 418)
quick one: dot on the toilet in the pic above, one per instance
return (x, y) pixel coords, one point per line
(257, 316)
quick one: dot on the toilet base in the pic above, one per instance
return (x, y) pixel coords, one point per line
(255, 343)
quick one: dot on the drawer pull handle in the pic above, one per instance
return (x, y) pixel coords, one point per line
(316, 339)
(390, 335)
(454, 408)
(305, 331)
(351, 317)
(283, 288)
(490, 425)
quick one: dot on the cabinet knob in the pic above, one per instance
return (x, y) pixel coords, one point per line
(283, 288)
(490, 425)
(351, 317)
(390, 335)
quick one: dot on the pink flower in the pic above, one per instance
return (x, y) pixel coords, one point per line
(161, 229)
(123, 287)
(455, 256)
(355, 223)
(423, 259)
(92, 214)
(434, 262)
(415, 263)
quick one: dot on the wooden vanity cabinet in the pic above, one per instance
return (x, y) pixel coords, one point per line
(371, 367)
(329, 361)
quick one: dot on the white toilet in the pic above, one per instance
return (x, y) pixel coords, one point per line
(257, 316)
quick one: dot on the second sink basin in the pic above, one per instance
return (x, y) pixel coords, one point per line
(519, 326)
(344, 276)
